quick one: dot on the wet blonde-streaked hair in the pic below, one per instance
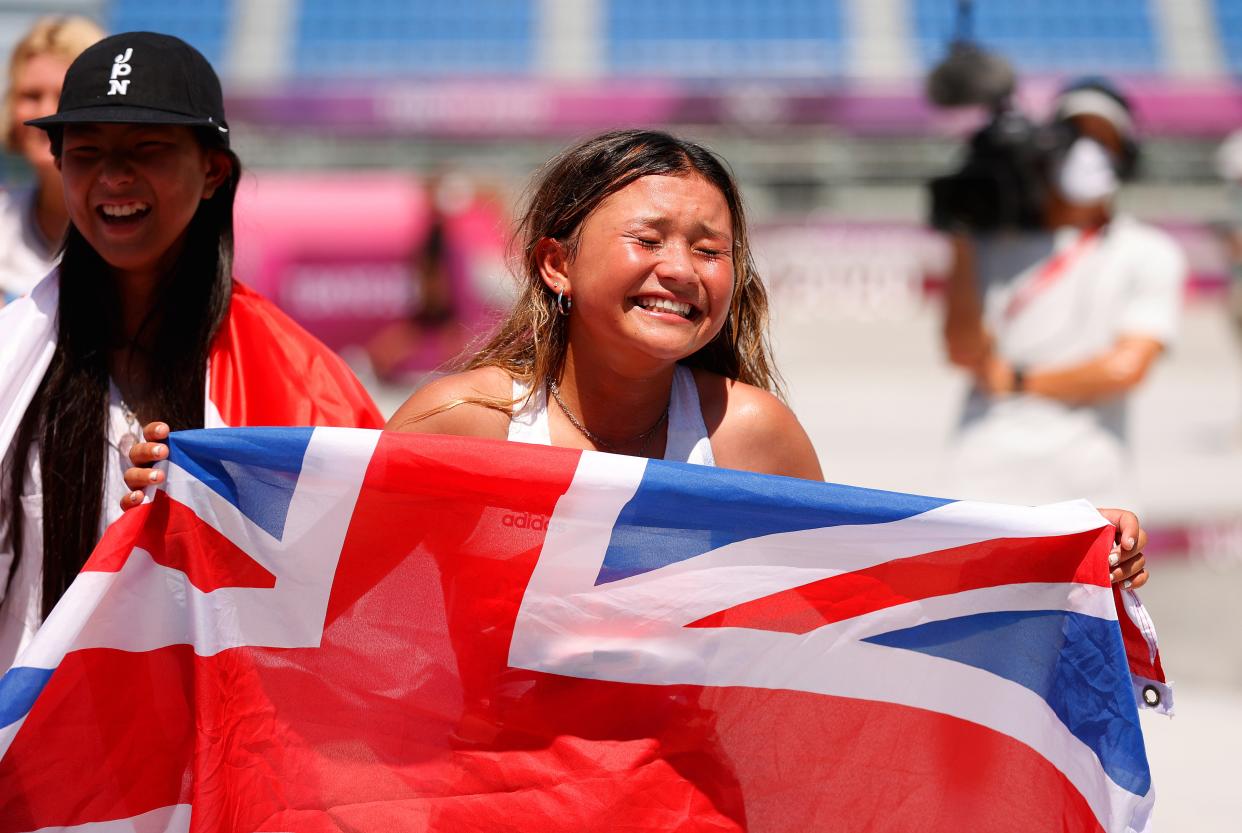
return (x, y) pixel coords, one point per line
(531, 342)
(65, 37)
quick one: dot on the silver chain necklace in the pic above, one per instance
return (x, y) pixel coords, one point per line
(133, 428)
(595, 438)
(131, 416)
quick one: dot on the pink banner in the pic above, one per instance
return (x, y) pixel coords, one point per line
(494, 108)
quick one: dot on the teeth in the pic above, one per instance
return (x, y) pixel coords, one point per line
(124, 210)
(665, 305)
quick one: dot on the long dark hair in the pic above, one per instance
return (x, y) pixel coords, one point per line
(531, 342)
(68, 417)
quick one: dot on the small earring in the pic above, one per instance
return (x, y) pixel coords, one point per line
(563, 302)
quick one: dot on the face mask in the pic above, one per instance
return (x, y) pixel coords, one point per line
(1086, 175)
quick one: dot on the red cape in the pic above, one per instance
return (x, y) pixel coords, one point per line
(265, 369)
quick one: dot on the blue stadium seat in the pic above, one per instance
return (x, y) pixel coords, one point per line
(683, 38)
(202, 23)
(370, 38)
(1061, 36)
(729, 38)
(1229, 24)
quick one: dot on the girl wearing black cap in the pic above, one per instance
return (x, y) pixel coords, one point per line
(142, 319)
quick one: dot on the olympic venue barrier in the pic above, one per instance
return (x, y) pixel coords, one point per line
(342, 254)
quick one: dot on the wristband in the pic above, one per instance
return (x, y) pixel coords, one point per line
(1019, 378)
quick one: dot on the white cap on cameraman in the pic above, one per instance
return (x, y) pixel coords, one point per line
(1085, 101)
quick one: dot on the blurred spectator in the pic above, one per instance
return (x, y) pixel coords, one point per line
(33, 221)
(1229, 166)
(434, 326)
(1059, 324)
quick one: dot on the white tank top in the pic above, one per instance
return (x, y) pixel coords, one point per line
(687, 434)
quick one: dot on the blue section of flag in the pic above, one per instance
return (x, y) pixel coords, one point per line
(681, 511)
(255, 469)
(18, 689)
(1064, 658)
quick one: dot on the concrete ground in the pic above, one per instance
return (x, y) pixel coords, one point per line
(879, 404)
(1194, 755)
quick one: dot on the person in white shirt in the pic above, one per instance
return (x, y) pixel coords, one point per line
(33, 220)
(1059, 326)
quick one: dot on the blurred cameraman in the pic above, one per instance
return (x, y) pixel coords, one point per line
(1057, 305)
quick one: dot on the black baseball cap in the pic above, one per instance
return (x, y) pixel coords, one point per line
(140, 78)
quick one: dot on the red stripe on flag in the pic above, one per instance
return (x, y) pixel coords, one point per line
(1138, 652)
(177, 538)
(1080, 557)
(113, 549)
(110, 737)
(460, 513)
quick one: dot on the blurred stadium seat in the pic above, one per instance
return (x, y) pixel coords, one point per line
(688, 39)
(205, 23)
(1228, 14)
(371, 38)
(693, 39)
(723, 38)
(1057, 36)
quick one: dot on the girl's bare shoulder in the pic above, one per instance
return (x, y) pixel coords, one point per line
(453, 404)
(752, 429)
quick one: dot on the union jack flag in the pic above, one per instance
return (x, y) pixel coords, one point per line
(331, 629)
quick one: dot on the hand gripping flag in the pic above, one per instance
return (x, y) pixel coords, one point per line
(328, 630)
